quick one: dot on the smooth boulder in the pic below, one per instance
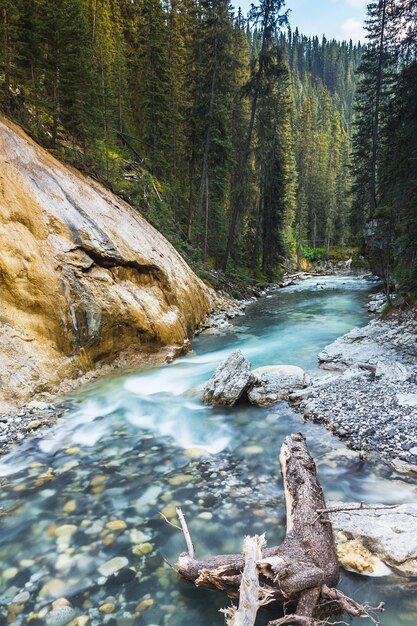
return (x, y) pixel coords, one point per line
(230, 381)
(275, 382)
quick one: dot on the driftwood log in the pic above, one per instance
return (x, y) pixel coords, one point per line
(302, 572)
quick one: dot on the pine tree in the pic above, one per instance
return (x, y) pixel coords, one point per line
(267, 18)
(152, 86)
(373, 95)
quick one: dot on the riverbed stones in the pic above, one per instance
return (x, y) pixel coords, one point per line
(273, 383)
(370, 398)
(389, 534)
(230, 381)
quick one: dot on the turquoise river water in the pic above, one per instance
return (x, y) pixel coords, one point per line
(133, 446)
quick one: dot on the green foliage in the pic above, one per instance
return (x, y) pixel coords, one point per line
(385, 188)
(224, 137)
(312, 254)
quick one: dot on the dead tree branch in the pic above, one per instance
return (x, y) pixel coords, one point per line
(302, 571)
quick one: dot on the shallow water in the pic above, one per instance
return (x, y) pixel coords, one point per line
(126, 451)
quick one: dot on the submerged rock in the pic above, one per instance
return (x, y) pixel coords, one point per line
(275, 382)
(372, 537)
(95, 280)
(230, 381)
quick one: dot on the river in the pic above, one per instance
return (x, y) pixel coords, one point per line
(92, 488)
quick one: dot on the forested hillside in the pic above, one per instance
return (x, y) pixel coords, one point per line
(385, 143)
(230, 134)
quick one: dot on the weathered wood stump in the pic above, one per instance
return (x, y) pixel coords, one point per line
(301, 572)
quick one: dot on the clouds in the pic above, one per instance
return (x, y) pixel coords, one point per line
(341, 19)
(353, 28)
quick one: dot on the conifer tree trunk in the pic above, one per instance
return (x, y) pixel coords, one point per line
(238, 199)
(239, 196)
(204, 169)
(375, 135)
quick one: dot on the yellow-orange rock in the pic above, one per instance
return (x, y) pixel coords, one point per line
(85, 279)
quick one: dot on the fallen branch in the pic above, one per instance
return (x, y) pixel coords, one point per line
(186, 533)
(357, 507)
(251, 594)
(303, 570)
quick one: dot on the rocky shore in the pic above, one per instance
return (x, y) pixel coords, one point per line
(368, 397)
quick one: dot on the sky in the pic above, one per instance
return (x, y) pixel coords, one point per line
(338, 19)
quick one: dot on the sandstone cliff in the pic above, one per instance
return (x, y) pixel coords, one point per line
(83, 276)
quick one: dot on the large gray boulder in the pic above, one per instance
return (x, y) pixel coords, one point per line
(375, 541)
(275, 382)
(230, 381)
(393, 371)
(359, 346)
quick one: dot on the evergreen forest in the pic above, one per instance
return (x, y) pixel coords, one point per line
(249, 145)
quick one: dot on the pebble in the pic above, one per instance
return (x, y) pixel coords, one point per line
(143, 548)
(206, 515)
(169, 511)
(145, 604)
(81, 620)
(106, 608)
(253, 450)
(10, 573)
(22, 597)
(196, 453)
(138, 536)
(70, 506)
(54, 588)
(113, 566)
(180, 479)
(60, 616)
(117, 524)
(98, 480)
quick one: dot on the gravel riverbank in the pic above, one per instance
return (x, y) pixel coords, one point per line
(368, 396)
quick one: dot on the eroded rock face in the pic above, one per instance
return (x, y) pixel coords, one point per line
(372, 540)
(275, 382)
(84, 277)
(230, 381)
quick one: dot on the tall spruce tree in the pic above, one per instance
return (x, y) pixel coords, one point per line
(267, 18)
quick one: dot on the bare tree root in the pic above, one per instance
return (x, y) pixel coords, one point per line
(304, 569)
